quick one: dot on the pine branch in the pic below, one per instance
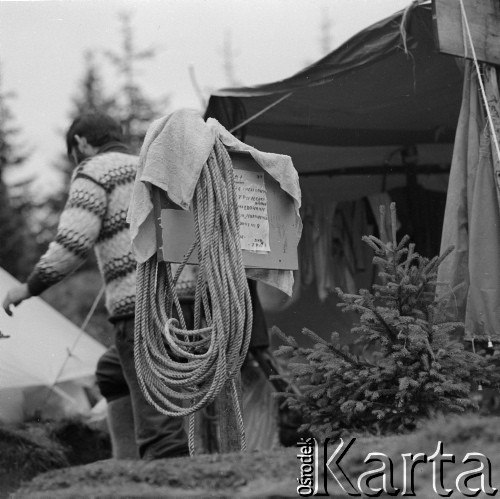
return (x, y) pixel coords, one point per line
(436, 261)
(344, 356)
(402, 243)
(314, 336)
(393, 336)
(342, 391)
(360, 391)
(375, 243)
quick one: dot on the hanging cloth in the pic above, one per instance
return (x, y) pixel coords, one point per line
(322, 249)
(306, 245)
(469, 278)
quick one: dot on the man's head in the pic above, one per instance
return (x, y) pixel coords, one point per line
(89, 132)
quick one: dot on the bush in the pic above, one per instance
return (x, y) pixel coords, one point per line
(411, 366)
(31, 448)
(83, 444)
(23, 454)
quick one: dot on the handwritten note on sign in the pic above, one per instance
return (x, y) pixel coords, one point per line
(252, 205)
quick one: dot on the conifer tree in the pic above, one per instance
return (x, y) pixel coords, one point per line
(89, 96)
(136, 111)
(13, 229)
(411, 368)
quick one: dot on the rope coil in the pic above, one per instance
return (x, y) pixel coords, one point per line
(180, 370)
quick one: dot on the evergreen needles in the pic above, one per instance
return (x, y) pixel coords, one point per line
(412, 367)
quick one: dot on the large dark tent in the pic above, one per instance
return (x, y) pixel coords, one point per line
(387, 85)
(376, 115)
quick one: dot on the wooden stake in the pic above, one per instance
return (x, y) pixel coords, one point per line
(229, 431)
(484, 20)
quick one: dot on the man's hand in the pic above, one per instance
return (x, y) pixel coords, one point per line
(15, 296)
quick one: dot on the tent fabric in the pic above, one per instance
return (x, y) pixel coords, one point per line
(387, 85)
(470, 277)
(386, 88)
(44, 349)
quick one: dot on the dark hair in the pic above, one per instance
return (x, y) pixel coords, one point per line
(98, 128)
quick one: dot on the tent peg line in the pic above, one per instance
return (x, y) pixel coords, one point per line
(262, 111)
(69, 351)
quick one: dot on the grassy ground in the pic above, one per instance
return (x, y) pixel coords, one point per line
(274, 473)
(31, 448)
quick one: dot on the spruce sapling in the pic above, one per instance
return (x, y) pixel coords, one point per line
(411, 366)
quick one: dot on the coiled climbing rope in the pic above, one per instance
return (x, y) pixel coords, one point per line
(180, 370)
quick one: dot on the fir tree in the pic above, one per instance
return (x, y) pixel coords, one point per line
(13, 229)
(411, 367)
(89, 96)
(136, 111)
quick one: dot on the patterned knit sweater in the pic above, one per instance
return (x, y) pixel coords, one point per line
(95, 218)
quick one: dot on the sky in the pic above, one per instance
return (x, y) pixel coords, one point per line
(42, 46)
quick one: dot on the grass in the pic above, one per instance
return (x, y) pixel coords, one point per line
(29, 449)
(274, 473)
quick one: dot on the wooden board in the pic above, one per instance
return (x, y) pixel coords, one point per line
(175, 227)
(483, 17)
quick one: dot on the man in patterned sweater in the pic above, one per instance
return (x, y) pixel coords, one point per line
(95, 218)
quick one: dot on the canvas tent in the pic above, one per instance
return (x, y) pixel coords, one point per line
(387, 86)
(45, 364)
(349, 120)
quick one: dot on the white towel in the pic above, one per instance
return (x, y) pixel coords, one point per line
(172, 156)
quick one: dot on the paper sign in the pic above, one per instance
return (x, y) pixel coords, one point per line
(176, 232)
(252, 205)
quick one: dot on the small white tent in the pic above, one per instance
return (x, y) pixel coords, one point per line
(46, 362)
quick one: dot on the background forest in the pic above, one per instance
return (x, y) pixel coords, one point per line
(28, 222)
(111, 79)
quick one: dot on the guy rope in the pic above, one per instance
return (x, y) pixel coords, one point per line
(181, 370)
